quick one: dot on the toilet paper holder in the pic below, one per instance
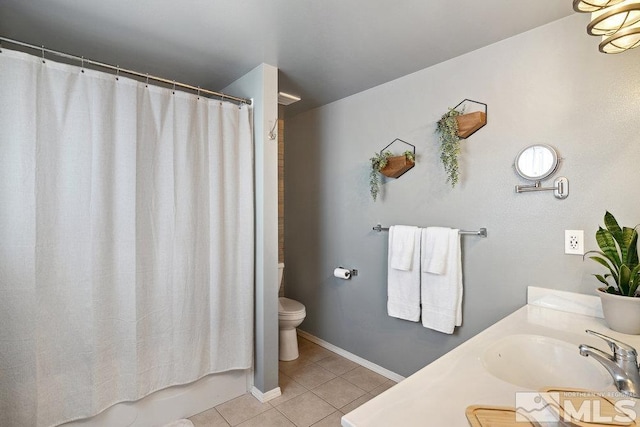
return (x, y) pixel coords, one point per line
(339, 272)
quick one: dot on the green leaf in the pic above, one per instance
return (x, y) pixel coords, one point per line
(625, 275)
(634, 280)
(607, 265)
(612, 225)
(601, 279)
(630, 241)
(608, 246)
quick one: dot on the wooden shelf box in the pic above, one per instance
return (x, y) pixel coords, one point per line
(471, 122)
(396, 166)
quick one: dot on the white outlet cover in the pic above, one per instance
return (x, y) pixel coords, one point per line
(574, 242)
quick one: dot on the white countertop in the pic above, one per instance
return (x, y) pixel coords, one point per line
(439, 393)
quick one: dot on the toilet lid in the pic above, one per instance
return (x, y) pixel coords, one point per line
(289, 306)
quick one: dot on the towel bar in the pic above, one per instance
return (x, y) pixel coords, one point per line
(482, 232)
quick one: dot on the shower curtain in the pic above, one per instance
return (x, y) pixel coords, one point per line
(126, 239)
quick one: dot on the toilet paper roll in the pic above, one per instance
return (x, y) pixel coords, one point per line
(342, 273)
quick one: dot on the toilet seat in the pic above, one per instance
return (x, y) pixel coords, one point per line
(288, 308)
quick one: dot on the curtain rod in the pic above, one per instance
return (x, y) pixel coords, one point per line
(118, 69)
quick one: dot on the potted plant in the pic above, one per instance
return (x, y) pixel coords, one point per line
(447, 128)
(389, 165)
(453, 126)
(619, 255)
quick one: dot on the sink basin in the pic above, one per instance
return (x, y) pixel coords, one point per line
(535, 362)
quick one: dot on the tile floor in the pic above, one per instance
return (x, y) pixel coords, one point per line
(317, 389)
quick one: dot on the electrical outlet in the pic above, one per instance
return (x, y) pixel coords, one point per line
(574, 242)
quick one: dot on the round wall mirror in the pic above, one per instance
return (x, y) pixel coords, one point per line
(536, 162)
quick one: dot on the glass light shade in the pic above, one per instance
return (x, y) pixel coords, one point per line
(607, 21)
(626, 39)
(592, 5)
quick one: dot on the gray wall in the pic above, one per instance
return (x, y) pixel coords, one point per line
(261, 85)
(549, 85)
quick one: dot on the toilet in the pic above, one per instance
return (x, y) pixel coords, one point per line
(290, 314)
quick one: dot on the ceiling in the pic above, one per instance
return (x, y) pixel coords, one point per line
(325, 49)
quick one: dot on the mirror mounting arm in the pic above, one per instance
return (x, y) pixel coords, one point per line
(560, 187)
(532, 187)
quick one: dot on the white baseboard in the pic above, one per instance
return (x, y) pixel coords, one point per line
(266, 396)
(359, 360)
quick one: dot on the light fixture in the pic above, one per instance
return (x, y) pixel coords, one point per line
(287, 99)
(592, 5)
(616, 21)
(610, 20)
(622, 40)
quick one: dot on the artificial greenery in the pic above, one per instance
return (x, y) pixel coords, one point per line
(619, 254)
(378, 162)
(447, 128)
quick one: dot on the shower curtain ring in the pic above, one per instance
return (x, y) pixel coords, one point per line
(221, 98)
(272, 133)
(198, 92)
(147, 84)
(82, 64)
(43, 61)
(174, 87)
(117, 72)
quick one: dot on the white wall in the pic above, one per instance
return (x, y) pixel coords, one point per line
(549, 85)
(261, 84)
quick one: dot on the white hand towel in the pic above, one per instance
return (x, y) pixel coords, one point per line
(403, 286)
(441, 294)
(401, 246)
(435, 249)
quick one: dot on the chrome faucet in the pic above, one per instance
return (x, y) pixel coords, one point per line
(622, 365)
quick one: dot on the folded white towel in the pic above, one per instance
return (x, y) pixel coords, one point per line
(403, 286)
(435, 249)
(441, 294)
(401, 246)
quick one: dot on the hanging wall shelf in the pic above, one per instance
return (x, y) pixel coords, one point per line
(389, 165)
(398, 165)
(453, 126)
(469, 123)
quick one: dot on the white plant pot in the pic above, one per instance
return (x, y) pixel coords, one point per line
(622, 314)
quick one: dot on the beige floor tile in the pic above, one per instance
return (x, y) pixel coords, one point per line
(289, 389)
(293, 365)
(305, 409)
(384, 387)
(210, 418)
(311, 351)
(337, 364)
(270, 418)
(356, 403)
(332, 420)
(311, 376)
(364, 378)
(241, 409)
(338, 392)
(303, 342)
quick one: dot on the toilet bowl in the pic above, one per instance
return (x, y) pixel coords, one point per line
(291, 313)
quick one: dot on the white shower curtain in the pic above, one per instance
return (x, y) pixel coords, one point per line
(126, 239)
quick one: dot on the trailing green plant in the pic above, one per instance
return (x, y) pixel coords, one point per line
(619, 254)
(447, 128)
(409, 155)
(378, 162)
